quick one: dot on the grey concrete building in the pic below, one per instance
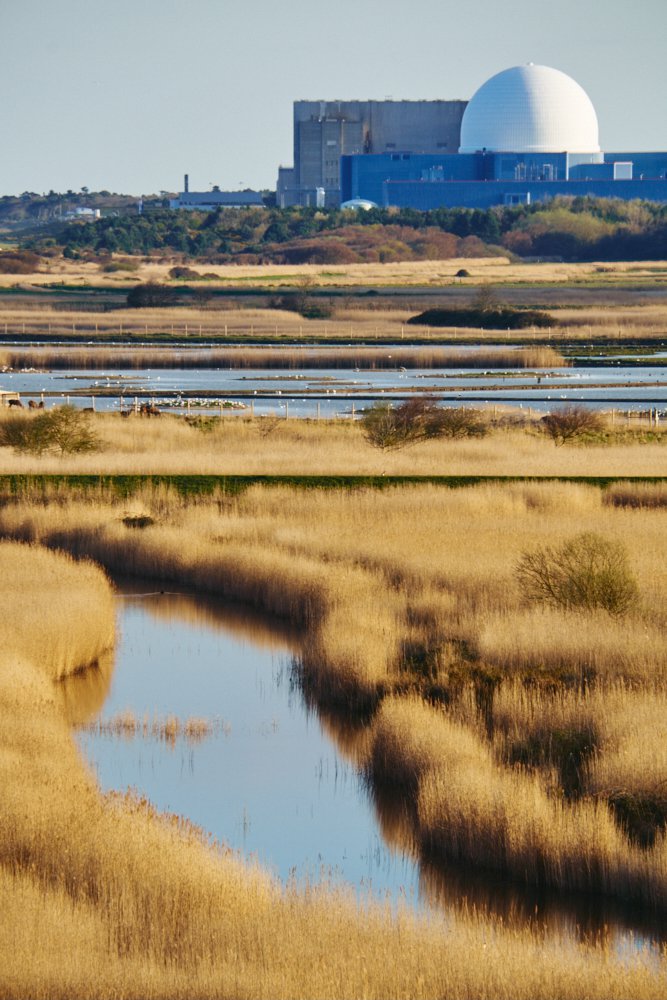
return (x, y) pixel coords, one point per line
(326, 130)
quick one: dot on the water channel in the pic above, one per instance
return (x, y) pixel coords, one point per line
(272, 778)
(340, 392)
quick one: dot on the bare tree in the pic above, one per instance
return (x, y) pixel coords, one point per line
(570, 423)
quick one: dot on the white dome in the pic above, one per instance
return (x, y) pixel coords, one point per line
(530, 109)
(358, 204)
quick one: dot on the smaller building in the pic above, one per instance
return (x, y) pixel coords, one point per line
(208, 201)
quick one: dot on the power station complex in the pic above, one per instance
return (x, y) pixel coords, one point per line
(529, 133)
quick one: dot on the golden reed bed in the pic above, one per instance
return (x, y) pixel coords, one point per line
(237, 444)
(103, 897)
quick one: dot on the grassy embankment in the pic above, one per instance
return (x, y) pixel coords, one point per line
(103, 897)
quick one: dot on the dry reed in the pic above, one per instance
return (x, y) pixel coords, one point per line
(104, 897)
(247, 446)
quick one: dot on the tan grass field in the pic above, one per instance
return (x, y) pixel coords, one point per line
(103, 897)
(222, 320)
(242, 445)
(496, 269)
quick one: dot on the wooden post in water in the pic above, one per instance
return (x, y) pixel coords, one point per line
(318, 409)
(287, 409)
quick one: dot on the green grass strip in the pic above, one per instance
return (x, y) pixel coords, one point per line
(15, 486)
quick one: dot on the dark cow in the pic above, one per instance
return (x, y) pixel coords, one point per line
(15, 402)
(32, 405)
(149, 410)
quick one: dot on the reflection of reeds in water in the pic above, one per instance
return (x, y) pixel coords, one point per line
(83, 693)
(211, 613)
(167, 729)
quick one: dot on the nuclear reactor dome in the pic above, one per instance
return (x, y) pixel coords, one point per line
(530, 109)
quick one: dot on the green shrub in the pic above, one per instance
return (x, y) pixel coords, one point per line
(151, 295)
(64, 429)
(504, 318)
(588, 572)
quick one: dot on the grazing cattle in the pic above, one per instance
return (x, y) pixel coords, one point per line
(14, 402)
(32, 405)
(149, 410)
(125, 413)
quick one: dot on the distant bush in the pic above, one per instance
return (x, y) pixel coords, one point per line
(120, 265)
(571, 423)
(587, 572)
(305, 305)
(18, 262)
(459, 422)
(418, 419)
(181, 272)
(64, 429)
(151, 295)
(504, 318)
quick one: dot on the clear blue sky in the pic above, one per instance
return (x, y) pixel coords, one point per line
(128, 95)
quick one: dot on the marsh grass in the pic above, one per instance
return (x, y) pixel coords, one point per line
(169, 729)
(285, 358)
(375, 578)
(240, 445)
(103, 896)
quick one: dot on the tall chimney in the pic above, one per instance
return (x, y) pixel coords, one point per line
(186, 184)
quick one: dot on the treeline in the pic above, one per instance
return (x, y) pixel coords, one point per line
(566, 228)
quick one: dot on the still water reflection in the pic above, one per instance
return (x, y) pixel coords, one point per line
(270, 783)
(275, 779)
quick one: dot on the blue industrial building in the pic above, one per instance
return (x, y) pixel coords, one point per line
(528, 134)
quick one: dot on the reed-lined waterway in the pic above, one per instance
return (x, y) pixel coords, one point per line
(200, 713)
(339, 392)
